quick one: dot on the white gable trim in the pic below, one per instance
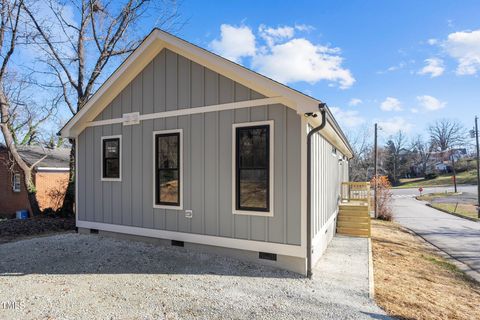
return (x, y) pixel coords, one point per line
(146, 52)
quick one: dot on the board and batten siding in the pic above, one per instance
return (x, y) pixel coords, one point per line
(327, 175)
(171, 82)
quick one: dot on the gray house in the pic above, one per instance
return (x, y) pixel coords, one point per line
(182, 145)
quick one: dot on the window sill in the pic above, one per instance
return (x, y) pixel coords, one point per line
(111, 179)
(254, 213)
(158, 206)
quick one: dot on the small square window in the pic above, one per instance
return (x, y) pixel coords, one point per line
(111, 154)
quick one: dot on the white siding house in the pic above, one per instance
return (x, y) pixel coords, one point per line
(182, 145)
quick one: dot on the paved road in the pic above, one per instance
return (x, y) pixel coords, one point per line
(459, 237)
(414, 191)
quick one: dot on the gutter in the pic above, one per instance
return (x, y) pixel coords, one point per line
(322, 109)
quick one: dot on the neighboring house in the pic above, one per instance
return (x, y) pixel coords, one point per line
(458, 154)
(183, 145)
(442, 167)
(50, 175)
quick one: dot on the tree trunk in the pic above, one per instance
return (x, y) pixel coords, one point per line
(12, 148)
(69, 200)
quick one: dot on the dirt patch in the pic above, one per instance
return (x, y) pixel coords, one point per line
(15, 229)
(413, 282)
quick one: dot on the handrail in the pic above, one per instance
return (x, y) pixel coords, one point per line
(355, 191)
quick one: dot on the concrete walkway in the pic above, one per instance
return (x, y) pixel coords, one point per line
(345, 267)
(458, 237)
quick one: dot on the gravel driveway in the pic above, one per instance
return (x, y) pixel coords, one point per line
(74, 276)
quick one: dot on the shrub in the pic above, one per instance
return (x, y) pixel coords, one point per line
(384, 198)
(431, 175)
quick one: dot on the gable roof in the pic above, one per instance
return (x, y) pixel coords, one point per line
(158, 40)
(50, 158)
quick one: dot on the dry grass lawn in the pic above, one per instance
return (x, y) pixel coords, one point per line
(413, 282)
(468, 210)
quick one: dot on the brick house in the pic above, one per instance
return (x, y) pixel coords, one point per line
(50, 176)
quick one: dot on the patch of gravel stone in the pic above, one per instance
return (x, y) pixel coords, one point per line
(72, 276)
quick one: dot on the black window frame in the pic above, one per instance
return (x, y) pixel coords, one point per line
(238, 207)
(157, 170)
(104, 158)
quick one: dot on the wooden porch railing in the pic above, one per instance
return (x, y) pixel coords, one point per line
(354, 209)
(356, 192)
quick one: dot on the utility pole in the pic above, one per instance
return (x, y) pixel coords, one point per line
(452, 155)
(375, 171)
(478, 168)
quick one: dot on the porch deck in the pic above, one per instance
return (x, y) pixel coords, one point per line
(354, 210)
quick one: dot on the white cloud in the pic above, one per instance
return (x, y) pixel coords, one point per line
(430, 103)
(274, 35)
(393, 68)
(304, 27)
(355, 102)
(432, 41)
(464, 46)
(234, 43)
(391, 104)
(300, 60)
(348, 118)
(414, 110)
(395, 124)
(283, 56)
(434, 67)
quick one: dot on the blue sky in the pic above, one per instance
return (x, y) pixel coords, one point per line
(368, 52)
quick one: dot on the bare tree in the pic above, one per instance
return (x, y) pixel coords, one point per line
(446, 134)
(80, 51)
(361, 166)
(27, 114)
(423, 152)
(396, 155)
(10, 16)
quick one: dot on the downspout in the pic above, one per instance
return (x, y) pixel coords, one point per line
(321, 108)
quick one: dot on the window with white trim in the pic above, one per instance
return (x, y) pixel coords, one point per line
(253, 168)
(111, 158)
(16, 182)
(168, 168)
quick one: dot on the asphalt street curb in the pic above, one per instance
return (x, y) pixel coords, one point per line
(452, 213)
(465, 268)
